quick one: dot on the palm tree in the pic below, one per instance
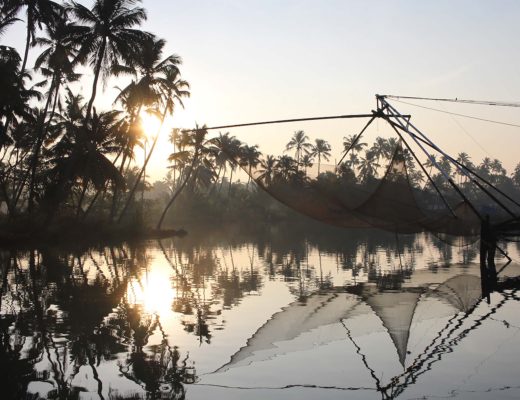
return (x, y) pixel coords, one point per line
(299, 142)
(430, 163)
(198, 141)
(267, 170)
(321, 149)
(286, 167)
(307, 162)
(8, 12)
(57, 63)
(350, 143)
(465, 160)
(250, 157)
(38, 13)
(368, 166)
(108, 37)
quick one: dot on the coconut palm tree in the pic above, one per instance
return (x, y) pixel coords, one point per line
(307, 162)
(286, 167)
(162, 79)
(300, 143)
(320, 149)
(37, 14)
(108, 36)
(198, 142)
(368, 166)
(350, 143)
(267, 170)
(56, 62)
(250, 158)
(8, 12)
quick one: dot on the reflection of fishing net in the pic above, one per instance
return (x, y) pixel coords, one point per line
(391, 203)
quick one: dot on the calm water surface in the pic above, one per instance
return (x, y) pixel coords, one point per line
(285, 315)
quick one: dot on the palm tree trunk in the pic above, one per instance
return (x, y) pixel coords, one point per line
(144, 166)
(97, 71)
(78, 211)
(38, 145)
(179, 189)
(230, 182)
(222, 181)
(27, 41)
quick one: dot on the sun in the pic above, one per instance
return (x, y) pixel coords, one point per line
(150, 123)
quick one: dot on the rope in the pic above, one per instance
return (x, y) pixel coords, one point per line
(460, 115)
(456, 100)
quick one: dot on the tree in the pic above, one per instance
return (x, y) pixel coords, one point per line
(8, 12)
(300, 143)
(267, 170)
(249, 157)
(350, 143)
(57, 63)
(38, 13)
(109, 37)
(368, 166)
(320, 149)
(159, 85)
(198, 141)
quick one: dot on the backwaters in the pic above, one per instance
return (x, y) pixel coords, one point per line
(275, 313)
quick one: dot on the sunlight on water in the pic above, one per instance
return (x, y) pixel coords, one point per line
(153, 290)
(276, 315)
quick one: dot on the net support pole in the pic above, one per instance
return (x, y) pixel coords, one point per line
(381, 99)
(422, 168)
(356, 139)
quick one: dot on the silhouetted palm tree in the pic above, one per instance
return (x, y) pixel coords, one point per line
(108, 37)
(250, 158)
(320, 149)
(37, 14)
(300, 143)
(8, 12)
(349, 142)
(198, 141)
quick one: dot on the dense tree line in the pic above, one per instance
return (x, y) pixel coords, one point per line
(58, 153)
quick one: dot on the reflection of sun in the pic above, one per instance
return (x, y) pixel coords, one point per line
(150, 124)
(153, 291)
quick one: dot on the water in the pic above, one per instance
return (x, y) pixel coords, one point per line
(280, 314)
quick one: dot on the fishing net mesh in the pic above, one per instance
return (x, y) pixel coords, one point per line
(331, 195)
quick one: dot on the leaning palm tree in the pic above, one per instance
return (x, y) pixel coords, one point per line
(56, 62)
(108, 36)
(37, 13)
(320, 149)
(164, 80)
(198, 142)
(300, 143)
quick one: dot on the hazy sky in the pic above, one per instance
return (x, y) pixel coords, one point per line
(257, 60)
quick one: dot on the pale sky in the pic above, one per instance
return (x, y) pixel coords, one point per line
(254, 60)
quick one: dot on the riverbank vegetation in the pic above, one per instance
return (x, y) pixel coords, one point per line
(67, 166)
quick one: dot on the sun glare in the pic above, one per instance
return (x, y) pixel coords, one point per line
(150, 123)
